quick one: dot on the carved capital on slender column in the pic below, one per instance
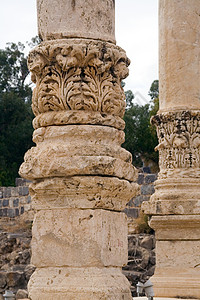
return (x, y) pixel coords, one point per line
(77, 74)
(174, 208)
(177, 190)
(179, 144)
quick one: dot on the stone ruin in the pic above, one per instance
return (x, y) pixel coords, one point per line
(15, 236)
(82, 178)
(175, 206)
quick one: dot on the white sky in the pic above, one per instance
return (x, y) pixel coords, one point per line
(136, 32)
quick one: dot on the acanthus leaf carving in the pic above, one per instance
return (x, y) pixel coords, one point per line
(179, 143)
(78, 76)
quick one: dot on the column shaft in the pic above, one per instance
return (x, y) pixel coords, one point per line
(179, 55)
(174, 208)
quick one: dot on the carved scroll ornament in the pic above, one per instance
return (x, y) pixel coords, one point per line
(179, 143)
(78, 75)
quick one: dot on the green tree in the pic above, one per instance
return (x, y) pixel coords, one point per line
(154, 90)
(140, 135)
(154, 94)
(15, 111)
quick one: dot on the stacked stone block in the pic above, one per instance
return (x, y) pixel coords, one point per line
(14, 201)
(81, 176)
(146, 184)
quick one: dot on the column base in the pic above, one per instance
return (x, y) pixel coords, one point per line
(79, 284)
(177, 271)
(177, 283)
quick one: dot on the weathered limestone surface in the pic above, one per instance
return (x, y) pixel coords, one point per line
(82, 192)
(179, 23)
(79, 283)
(83, 238)
(58, 68)
(77, 116)
(177, 255)
(89, 19)
(175, 206)
(78, 150)
(81, 177)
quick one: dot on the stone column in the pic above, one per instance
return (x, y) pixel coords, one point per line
(82, 178)
(175, 206)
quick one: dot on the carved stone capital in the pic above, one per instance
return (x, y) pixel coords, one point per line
(78, 74)
(177, 190)
(179, 144)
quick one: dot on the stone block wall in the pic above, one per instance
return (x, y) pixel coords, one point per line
(146, 182)
(14, 201)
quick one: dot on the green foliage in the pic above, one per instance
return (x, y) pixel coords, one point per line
(154, 94)
(142, 225)
(141, 137)
(13, 68)
(129, 99)
(15, 111)
(154, 90)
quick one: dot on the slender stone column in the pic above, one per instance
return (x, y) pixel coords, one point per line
(82, 178)
(175, 206)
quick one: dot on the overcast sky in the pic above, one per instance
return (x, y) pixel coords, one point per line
(136, 32)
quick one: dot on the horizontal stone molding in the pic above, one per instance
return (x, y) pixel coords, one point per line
(35, 168)
(82, 192)
(179, 196)
(168, 207)
(183, 282)
(65, 151)
(88, 134)
(64, 282)
(69, 117)
(176, 227)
